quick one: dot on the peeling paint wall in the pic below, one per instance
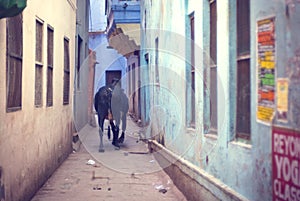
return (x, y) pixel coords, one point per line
(35, 141)
(133, 83)
(82, 70)
(245, 166)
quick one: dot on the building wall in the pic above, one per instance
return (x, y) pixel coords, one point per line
(107, 58)
(126, 12)
(82, 68)
(133, 83)
(98, 18)
(34, 141)
(243, 166)
(160, 35)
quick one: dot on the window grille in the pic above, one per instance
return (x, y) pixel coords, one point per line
(14, 63)
(192, 24)
(66, 88)
(50, 67)
(38, 64)
(243, 110)
(212, 83)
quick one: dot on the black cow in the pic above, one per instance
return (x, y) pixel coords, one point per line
(102, 103)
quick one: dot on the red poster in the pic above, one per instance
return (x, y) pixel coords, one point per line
(285, 164)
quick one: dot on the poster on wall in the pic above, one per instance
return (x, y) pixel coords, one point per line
(266, 70)
(282, 92)
(285, 164)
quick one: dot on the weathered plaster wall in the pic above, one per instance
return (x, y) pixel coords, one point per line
(246, 167)
(98, 18)
(34, 141)
(82, 77)
(193, 181)
(167, 94)
(133, 90)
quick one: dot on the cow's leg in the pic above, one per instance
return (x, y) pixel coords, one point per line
(115, 130)
(121, 139)
(108, 132)
(101, 147)
(101, 119)
(115, 127)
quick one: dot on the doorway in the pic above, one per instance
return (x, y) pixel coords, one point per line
(111, 74)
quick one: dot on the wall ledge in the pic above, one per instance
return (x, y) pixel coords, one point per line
(240, 144)
(202, 178)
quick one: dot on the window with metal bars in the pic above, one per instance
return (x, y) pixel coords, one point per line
(38, 64)
(192, 103)
(79, 47)
(14, 58)
(66, 87)
(210, 82)
(129, 80)
(156, 61)
(243, 110)
(49, 101)
(133, 79)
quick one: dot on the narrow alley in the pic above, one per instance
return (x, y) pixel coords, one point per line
(131, 173)
(209, 90)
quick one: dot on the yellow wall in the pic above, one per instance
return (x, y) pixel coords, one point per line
(34, 141)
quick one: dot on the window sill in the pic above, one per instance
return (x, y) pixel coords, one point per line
(13, 109)
(191, 131)
(241, 144)
(212, 136)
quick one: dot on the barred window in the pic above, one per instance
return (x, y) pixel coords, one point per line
(192, 83)
(14, 60)
(79, 47)
(66, 87)
(38, 64)
(243, 110)
(129, 80)
(210, 77)
(156, 61)
(50, 67)
(133, 79)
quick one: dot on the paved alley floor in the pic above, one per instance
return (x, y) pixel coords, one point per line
(130, 173)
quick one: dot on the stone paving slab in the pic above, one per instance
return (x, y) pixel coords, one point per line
(130, 173)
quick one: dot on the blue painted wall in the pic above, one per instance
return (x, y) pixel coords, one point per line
(245, 166)
(126, 11)
(97, 16)
(108, 59)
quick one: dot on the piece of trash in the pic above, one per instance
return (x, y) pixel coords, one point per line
(152, 161)
(136, 134)
(91, 162)
(133, 176)
(159, 187)
(125, 153)
(97, 188)
(162, 191)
